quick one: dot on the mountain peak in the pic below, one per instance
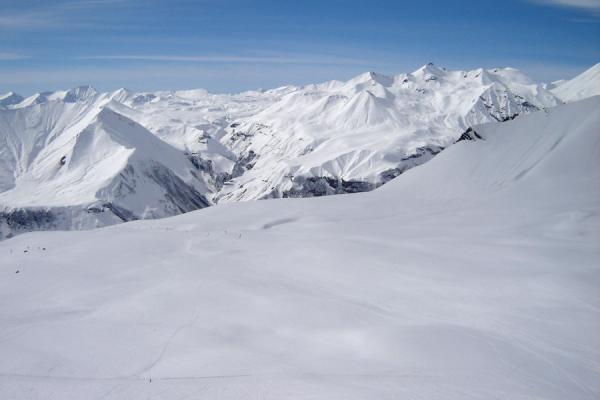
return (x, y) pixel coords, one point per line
(79, 93)
(431, 68)
(372, 77)
(10, 98)
(429, 72)
(6, 95)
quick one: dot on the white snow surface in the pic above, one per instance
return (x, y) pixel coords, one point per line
(475, 275)
(585, 85)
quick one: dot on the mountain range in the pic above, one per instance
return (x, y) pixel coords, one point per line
(80, 159)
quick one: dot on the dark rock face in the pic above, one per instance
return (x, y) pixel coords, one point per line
(420, 156)
(220, 178)
(206, 166)
(243, 164)
(469, 134)
(323, 186)
(179, 197)
(178, 193)
(25, 220)
(200, 163)
(122, 213)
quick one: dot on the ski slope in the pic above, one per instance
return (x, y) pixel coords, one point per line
(474, 275)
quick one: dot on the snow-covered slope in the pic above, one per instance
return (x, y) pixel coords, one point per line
(72, 164)
(582, 86)
(475, 276)
(353, 136)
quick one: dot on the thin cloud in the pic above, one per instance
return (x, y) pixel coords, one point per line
(91, 3)
(55, 15)
(30, 20)
(284, 59)
(587, 5)
(11, 56)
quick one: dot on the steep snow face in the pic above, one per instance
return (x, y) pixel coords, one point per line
(582, 86)
(95, 165)
(363, 132)
(475, 275)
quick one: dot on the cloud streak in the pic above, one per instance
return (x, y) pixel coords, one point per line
(55, 15)
(282, 59)
(4, 56)
(587, 5)
(28, 20)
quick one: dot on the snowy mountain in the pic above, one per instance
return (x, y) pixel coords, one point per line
(474, 275)
(71, 164)
(582, 86)
(328, 138)
(353, 136)
(10, 99)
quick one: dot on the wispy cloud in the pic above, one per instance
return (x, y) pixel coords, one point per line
(5, 56)
(277, 59)
(54, 14)
(27, 20)
(586, 5)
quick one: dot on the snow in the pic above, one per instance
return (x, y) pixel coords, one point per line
(585, 85)
(474, 275)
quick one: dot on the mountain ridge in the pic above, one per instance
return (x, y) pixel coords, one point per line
(293, 141)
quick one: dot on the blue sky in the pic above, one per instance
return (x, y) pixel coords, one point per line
(234, 45)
